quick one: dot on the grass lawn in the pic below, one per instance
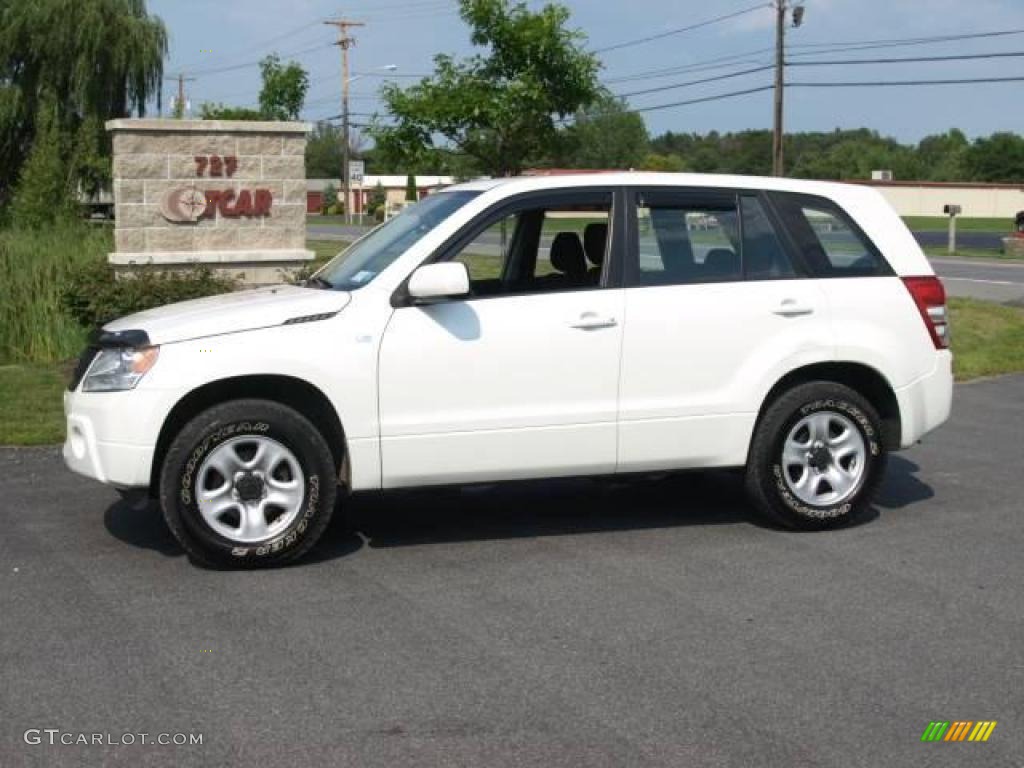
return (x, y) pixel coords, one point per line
(31, 403)
(326, 250)
(988, 339)
(339, 220)
(941, 224)
(971, 253)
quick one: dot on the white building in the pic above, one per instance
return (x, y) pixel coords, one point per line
(393, 186)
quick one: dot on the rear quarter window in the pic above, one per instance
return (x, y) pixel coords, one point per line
(827, 239)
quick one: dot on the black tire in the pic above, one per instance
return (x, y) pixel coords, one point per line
(765, 483)
(224, 422)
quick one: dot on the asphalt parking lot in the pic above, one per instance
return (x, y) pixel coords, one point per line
(571, 623)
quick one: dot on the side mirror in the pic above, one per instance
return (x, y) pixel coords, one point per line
(439, 281)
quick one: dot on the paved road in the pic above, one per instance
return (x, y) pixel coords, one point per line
(570, 623)
(968, 239)
(983, 279)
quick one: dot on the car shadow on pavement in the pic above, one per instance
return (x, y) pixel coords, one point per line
(527, 509)
(901, 486)
(141, 525)
(549, 508)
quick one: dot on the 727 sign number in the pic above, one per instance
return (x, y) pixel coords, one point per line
(216, 165)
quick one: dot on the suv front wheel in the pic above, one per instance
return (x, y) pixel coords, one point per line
(817, 457)
(248, 483)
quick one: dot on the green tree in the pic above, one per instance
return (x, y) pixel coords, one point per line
(605, 135)
(281, 97)
(323, 152)
(500, 108)
(211, 111)
(284, 88)
(90, 167)
(43, 196)
(84, 59)
(330, 198)
(378, 198)
(1000, 157)
(669, 163)
(942, 156)
(411, 193)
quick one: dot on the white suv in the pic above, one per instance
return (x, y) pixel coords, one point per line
(527, 328)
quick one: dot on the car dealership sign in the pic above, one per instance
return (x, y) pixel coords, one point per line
(188, 204)
(230, 194)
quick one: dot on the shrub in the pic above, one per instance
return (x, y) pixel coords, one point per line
(41, 196)
(94, 296)
(330, 199)
(378, 199)
(35, 266)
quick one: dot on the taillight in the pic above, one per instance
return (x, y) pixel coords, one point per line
(930, 297)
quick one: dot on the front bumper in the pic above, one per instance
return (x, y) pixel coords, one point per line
(926, 403)
(111, 436)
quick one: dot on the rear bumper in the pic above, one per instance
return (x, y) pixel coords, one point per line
(925, 403)
(110, 436)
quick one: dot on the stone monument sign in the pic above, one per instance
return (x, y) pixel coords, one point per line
(230, 195)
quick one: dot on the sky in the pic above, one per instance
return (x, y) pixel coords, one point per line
(218, 43)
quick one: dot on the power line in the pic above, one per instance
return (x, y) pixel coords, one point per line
(904, 60)
(716, 97)
(897, 42)
(680, 30)
(883, 83)
(278, 38)
(286, 35)
(390, 75)
(248, 64)
(716, 78)
(653, 74)
(873, 83)
(837, 46)
(687, 84)
(294, 54)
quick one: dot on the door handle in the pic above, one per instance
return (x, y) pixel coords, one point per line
(792, 308)
(591, 320)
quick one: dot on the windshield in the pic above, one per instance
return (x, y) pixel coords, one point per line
(370, 256)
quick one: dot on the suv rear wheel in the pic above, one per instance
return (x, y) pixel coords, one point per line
(817, 457)
(248, 483)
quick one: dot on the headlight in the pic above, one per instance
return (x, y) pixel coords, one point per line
(119, 368)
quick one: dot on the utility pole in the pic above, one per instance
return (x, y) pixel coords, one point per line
(345, 41)
(781, 6)
(180, 104)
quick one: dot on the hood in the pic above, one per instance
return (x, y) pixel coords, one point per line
(232, 312)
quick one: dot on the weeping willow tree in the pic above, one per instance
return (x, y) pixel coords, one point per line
(78, 63)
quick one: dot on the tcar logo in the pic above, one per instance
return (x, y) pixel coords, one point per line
(183, 204)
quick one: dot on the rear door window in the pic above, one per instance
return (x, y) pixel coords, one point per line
(831, 244)
(683, 238)
(690, 235)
